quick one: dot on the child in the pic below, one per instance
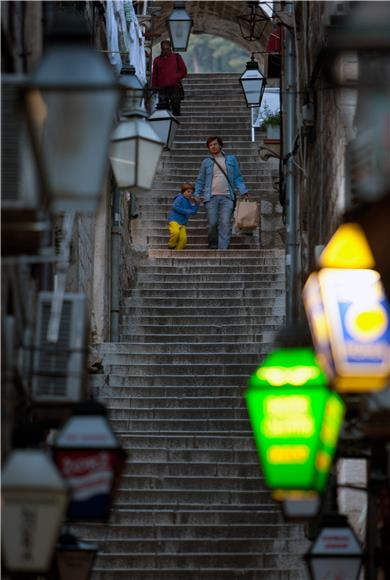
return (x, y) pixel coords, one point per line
(181, 210)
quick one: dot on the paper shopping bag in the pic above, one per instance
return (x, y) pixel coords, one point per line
(246, 215)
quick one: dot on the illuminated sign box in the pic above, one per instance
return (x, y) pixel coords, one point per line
(296, 420)
(349, 318)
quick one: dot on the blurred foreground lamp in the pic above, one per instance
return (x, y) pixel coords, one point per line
(71, 103)
(35, 497)
(179, 25)
(253, 83)
(90, 458)
(253, 24)
(164, 124)
(135, 147)
(298, 504)
(296, 420)
(74, 559)
(336, 552)
(349, 314)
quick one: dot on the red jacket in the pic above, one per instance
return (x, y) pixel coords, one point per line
(168, 70)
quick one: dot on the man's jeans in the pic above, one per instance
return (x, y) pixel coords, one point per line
(219, 214)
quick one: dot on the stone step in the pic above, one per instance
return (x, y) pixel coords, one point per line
(121, 547)
(211, 426)
(225, 331)
(181, 483)
(224, 559)
(190, 369)
(189, 497)
(131, 348)
(202, 267)
(193, 322)
(182, 402)
(219, 255)
(200, 294)
(184, 358)
(227, 301)
(186, 531)
(266, 337)
(242, 572)
(186, 469)
(219, 278)
(173, 386)
(231, 515)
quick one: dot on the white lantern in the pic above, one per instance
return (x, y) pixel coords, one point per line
(71, 103)
(336, 552)
(253, 83)
(165, 125)
(35, 498)
(90, 458)
(179, 26)
(135, 147)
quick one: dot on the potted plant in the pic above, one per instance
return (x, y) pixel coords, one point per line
(271, 123)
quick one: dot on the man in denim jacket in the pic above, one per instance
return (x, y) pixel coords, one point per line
(218, 177)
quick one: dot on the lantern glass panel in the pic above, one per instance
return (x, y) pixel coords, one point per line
(72, 104)
(30, 527)
(179, 26)
(253, 86)
(123, 162)
(148, 158)
(334, 568)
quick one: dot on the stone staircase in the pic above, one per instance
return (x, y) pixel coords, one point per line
(191, 503)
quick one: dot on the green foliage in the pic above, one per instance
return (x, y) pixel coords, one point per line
(207, 53)
(269, 118)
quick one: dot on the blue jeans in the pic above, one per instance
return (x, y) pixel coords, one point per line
(219, 214)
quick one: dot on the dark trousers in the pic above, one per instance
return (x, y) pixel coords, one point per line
(169, 97)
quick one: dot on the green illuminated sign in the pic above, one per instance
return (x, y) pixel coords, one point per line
(295, 419)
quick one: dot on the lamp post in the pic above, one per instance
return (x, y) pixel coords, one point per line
(253, 83)
(179, 25)
(71, 102)
(253, 25)
(74, 559)
(165, 125)
(90, 458)
(296, 420)
(336, 552)
(349, 315)
(35, 497)
(135, 147)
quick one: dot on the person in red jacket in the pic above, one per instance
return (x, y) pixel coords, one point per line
(168, 70)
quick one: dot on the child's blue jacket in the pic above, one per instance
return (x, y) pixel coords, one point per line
(181, 210)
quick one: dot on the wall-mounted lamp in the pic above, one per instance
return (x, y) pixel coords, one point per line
(179, 25)
(253, 24)
(253, 83)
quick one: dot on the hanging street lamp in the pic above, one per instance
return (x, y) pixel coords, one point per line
(74, 559)
(35, 497)
(295, 419)
(90, 458)
(336, 552)
(349, 315)
(135, 147)
(71, 102)
(165, 125)
(253, 25)
(253, 83)
(179, 25)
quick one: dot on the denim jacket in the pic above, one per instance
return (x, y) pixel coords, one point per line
(205, 177)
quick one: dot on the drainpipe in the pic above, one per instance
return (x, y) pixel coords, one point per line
(115, 259)
(292, 210)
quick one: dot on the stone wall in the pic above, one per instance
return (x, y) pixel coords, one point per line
(321, 150)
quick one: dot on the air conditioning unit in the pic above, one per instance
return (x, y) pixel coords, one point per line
(24, 218)
(59, 369)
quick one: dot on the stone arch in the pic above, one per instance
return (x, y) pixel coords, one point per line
(218, 18)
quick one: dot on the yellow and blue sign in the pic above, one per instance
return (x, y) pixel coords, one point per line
(349, 317)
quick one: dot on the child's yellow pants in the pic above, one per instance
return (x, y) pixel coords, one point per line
(177, 236)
